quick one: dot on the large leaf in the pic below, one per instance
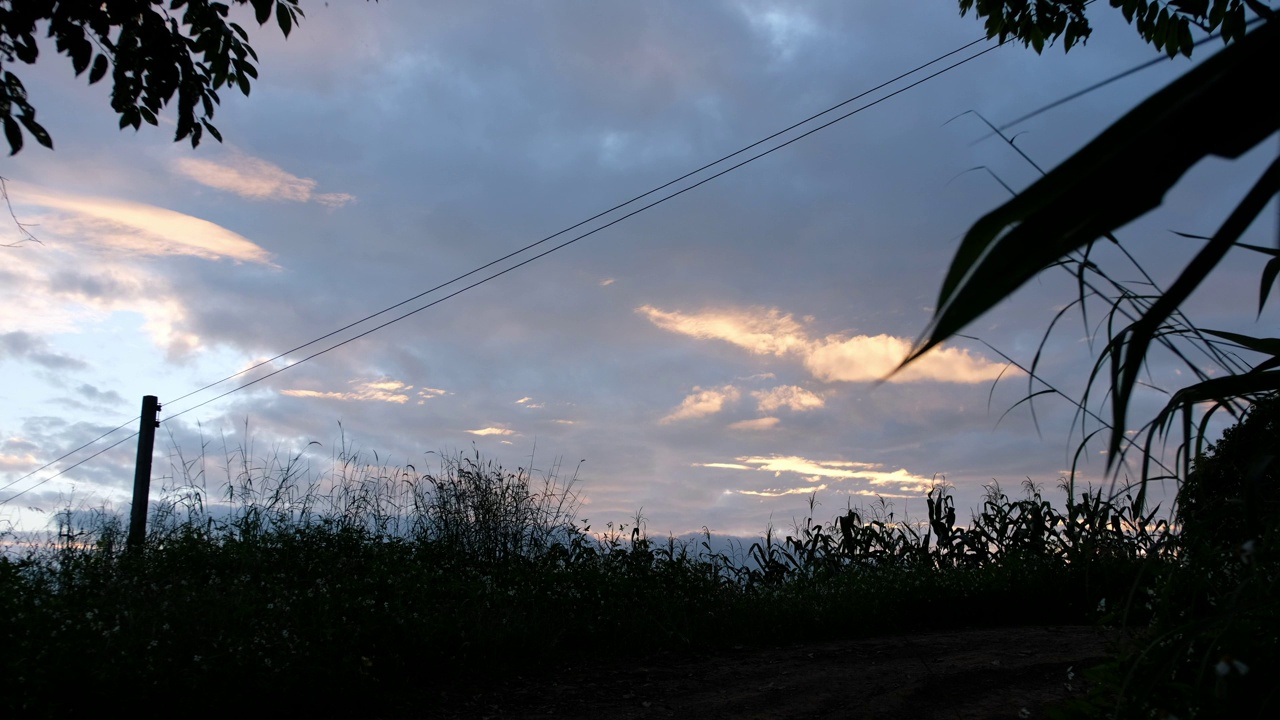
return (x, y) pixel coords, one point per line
(1214, 109)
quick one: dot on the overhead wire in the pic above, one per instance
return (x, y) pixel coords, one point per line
(524, 249)
(584, 235)
(68, 454)
(68, 469)
(575, 226)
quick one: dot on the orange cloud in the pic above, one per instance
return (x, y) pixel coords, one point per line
(772, 492)
(794, 398)
(703, 403)
(492, 431)
(256, 179)
(814, 470)
(764, 423)
(761, 331)
(835, 358)
(390, 391)
(137, 227)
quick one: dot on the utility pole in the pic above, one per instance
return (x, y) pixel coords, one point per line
(142, 471)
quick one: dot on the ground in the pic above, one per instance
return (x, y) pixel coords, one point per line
(974, 673)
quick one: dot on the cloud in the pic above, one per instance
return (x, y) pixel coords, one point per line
(137, 227)
(835, 358)
(492, 431)
(425, 394)
(66, 288)
(94, 395)
(773, 492)
(794, 398)
(25, 346)
(870, 358)
(17, 462)
(761, 331)
(607, 282)
(786, 30)
(390, 391)
(529, 403)
(763, 423)
(814, 470)
(703, 403)
(256, 179)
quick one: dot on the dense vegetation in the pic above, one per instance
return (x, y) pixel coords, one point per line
(295, 592)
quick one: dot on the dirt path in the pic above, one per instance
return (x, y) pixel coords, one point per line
(984, 673)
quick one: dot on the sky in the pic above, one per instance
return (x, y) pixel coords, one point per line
(710, 362)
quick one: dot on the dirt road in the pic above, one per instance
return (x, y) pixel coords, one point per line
(980, 673)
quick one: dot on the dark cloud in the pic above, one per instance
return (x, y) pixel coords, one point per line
(100, 397)
(21, 345)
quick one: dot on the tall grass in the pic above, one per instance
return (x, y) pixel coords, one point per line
(294, 590)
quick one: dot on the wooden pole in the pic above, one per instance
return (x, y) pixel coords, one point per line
(142, 471)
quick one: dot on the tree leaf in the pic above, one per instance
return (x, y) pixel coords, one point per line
(12, 133)
(262, 10)
(99, 70)
(284, 19)
(212, 130)
(37, 130)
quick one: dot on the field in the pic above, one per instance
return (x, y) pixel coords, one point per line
(385, 592)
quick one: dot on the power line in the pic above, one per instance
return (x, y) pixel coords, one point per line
(67, 469)
(68, 454)
(524, 249)
(586, 234)
(597, 216)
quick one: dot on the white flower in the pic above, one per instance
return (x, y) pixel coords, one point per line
(1246, 550)
(1227, 664)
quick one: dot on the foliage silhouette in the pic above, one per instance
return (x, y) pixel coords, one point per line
(1122, 174)
(151, 52)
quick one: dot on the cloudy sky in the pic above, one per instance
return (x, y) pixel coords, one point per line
(713, 360)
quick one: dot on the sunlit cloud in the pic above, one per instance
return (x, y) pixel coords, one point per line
(67, 287)
(492, 431)
(883, 494)
(607, 282)
(702, 403)
(17, 462)
(389, 391)
(763, 423)
(771, 492)
(815, 470)
(529, 403)
(869, 358)
(834, 358)
(726, 466)
(791, 397)
(135, 227)
(425, 394)
(760, 331)
(256, 179)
